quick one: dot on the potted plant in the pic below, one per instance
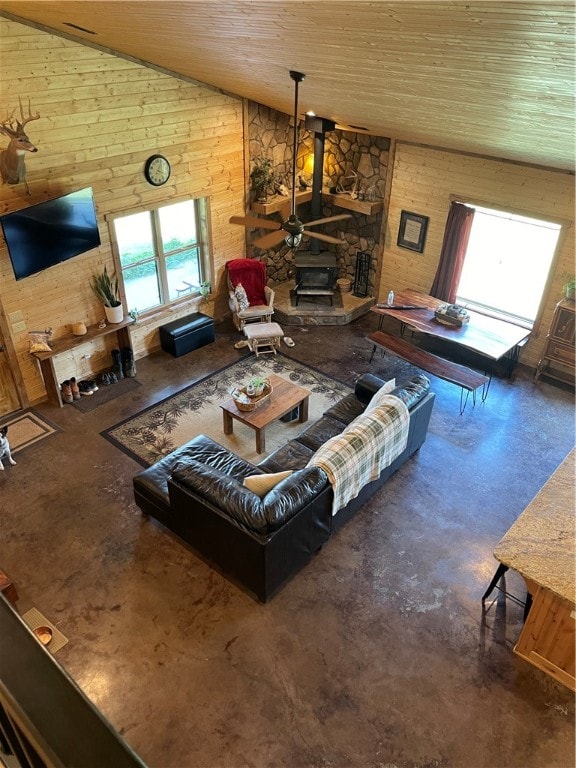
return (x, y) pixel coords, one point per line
(106, 288)
(262, 178)
(256, 385)
(570, 287)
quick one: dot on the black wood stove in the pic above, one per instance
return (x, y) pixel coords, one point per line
(316, 270)
(315, 274)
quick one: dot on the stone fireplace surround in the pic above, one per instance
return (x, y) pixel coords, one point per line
(270, 135)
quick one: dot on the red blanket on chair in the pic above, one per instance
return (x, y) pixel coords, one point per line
(252, 274)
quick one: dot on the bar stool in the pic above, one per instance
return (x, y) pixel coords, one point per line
(500, 571)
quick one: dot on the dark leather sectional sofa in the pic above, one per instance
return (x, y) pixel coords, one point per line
(197, 492)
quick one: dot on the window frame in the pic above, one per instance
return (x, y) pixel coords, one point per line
(525, 213)
(203, 243)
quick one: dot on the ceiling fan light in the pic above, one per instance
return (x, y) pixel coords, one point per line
(293, 241)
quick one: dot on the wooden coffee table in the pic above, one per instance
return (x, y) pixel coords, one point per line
(284, 398)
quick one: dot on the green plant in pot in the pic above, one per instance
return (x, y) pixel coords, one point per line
(570, 287)
(262, 178)
(106, 288)
(256, 385)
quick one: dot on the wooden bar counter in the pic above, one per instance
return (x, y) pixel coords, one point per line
(540, 545)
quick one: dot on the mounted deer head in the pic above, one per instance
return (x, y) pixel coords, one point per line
(12, 164)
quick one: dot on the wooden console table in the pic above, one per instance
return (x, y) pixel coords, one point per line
(70, 342)
(540, 546)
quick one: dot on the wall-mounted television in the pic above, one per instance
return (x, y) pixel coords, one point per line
(48, 233)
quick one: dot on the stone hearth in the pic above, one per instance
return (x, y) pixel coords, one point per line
(316, 310)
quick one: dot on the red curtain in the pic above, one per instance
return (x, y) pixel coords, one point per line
(456, 236)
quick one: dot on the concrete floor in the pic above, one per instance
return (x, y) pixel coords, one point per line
(376, 654)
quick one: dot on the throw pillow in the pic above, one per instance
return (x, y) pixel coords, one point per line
(261, 484)
(378, 396)
(241, 297)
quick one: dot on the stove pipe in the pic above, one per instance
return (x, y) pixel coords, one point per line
(318, 126)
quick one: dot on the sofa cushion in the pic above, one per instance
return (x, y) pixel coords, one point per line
(346, 409)
(293, 456)
(262, 483)
(262, 516)
(317, 434)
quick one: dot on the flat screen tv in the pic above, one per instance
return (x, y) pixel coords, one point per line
(48, 233)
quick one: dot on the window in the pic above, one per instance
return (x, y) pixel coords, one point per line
(162, 253)
(507, 262)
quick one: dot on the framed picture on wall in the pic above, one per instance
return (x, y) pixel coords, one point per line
(412, 231)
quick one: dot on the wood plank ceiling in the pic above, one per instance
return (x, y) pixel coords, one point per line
(492, 78)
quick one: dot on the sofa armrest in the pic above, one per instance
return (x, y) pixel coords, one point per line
(366, 386)
(263, 516)
(269, 294)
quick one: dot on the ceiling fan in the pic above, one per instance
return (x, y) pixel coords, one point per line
(291, 230)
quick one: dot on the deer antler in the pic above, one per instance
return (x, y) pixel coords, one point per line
(8, 127)
(30, 115)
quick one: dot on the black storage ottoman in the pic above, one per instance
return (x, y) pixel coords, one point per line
(191, 332)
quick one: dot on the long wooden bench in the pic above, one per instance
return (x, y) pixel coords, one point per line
(465, 378)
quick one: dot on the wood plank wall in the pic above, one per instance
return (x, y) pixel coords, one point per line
(101, 117)
(425, 180)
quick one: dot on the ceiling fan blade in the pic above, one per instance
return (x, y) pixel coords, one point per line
(324, 238)
(254, 222)
(339, 217)
(269, 240)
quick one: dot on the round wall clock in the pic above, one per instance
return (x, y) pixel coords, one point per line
(157, 170)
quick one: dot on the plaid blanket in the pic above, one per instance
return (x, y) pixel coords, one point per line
(358, 455)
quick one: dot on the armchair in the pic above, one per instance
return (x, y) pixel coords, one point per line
(250, 298)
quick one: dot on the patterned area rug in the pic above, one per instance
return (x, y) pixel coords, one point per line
(160, 429)
(27, 428)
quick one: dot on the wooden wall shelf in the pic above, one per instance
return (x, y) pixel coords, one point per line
(367, 207)
(279, 201)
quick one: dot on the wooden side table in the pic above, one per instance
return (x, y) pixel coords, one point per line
(284, 398)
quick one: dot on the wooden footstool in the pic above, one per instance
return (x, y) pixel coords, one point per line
(263, 338)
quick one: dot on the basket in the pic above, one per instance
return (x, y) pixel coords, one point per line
(453, 322)
(453, 315)
(253, 401)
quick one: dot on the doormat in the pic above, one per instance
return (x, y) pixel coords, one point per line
(28, 428)
(104, 394)
(160, 428)
(35, 619)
